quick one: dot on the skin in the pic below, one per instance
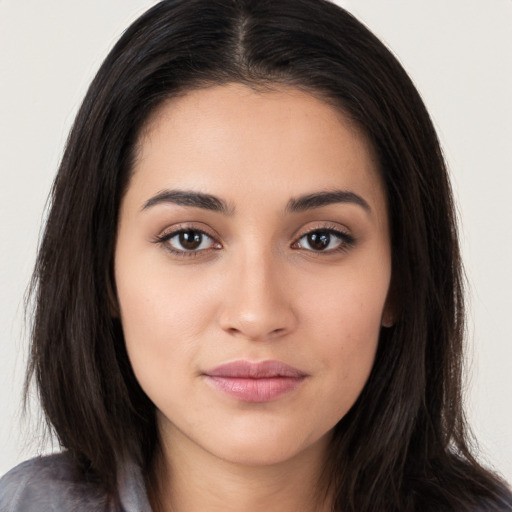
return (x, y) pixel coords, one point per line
(257, 289)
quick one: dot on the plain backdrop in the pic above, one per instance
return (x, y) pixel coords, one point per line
(459, 54)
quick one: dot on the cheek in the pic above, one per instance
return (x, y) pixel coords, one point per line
(344, 317)
(163, 314)
(347, 308)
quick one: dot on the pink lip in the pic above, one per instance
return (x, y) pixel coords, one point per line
(255, 382)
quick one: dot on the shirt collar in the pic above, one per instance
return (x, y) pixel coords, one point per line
(132, 489)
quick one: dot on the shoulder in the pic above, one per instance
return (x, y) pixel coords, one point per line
(48, 483)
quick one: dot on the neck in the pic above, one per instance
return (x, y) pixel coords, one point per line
(191, 480)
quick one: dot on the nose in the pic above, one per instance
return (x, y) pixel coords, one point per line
(258, 301)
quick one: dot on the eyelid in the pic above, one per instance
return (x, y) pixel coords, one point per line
(347, 240)
(176, 229)
(343, 233)
(186, 226)
(311, 227)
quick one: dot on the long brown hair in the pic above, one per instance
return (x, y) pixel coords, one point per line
(403, 444)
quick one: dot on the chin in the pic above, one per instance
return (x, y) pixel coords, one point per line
(265, 449)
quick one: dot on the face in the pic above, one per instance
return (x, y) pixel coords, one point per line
(252, 268)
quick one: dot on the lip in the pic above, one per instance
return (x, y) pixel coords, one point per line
(255, 381)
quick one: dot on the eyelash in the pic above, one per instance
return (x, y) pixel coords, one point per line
(166, 237)
(346, 241)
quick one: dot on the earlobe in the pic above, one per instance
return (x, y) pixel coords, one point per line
(389, 313)
(113, 305)
(388, 319)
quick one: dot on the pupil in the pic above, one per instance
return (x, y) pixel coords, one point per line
(190, 239)
(319, 240)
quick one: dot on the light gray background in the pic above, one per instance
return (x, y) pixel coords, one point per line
(458, 52)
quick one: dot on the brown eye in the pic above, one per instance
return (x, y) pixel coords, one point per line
(319, 240)
(188, 241)
(325, 240)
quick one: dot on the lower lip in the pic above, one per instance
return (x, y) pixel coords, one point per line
(255, 390)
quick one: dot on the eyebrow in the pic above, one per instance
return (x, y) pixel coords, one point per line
(295, 205)
(320, 199)
(189, 198)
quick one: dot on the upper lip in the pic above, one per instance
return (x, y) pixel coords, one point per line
(255, 370)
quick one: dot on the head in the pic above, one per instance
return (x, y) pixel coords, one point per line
(408, 408)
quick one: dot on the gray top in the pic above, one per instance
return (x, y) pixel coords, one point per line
(47, 484)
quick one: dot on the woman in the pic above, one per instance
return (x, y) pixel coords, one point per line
(249, 289)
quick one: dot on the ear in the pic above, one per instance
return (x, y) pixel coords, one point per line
(389, 312)
(113, 304)
(388, 319)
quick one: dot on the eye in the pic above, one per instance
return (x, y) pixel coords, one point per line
(187, 242)
(325, 240)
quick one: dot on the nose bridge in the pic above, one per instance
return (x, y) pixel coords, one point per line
(258, 304)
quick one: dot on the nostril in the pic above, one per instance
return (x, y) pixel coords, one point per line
(257, 316)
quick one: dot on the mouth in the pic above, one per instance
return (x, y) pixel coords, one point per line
(255, 381)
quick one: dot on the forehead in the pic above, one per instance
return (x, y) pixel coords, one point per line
(272, 109)
(263, 141)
